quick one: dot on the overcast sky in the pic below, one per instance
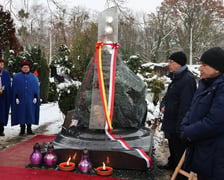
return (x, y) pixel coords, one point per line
(137, 5)
(99, 5)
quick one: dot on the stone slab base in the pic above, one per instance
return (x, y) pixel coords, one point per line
(101, 149)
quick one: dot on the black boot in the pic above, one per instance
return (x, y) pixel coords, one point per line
(29, 129)
(2, 130)
(22, 129)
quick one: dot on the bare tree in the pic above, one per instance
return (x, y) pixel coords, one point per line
(170, 28)
(201, 17)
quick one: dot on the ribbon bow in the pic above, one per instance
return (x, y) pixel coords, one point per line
(99, 44)
(115, 45)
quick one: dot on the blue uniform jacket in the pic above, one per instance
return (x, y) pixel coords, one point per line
(25, 87)
(5, 100)
(203, 126)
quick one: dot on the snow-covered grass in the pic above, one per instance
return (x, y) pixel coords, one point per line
(50, 115)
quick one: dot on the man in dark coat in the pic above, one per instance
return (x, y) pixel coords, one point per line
(25, 99)
(203, 125)
(175, 104)
(5, 93)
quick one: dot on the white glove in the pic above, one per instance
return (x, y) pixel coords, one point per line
(17, 101)
(34, 100)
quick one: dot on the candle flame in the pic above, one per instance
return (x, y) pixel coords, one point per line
(104, 167)
(68, 161)
(74, 156)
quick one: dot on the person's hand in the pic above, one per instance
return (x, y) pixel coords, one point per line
(34, 100)
(186, 141)
(17, 100)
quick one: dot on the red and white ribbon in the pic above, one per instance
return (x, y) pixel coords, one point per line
(108, 107)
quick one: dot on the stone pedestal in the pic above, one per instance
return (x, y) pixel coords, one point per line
(101, 148)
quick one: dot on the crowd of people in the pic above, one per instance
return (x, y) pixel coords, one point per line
(193, 119)
(22, 96)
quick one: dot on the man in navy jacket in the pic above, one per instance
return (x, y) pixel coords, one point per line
(175, 104)
(203, 125)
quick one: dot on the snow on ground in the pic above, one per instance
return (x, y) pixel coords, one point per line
(50, 116)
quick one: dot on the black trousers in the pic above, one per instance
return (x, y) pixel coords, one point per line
(23, 127)
(1, 128)
(176, 148)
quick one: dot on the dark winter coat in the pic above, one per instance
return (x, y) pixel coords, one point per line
(25, 87)
(203, 126)
(177, 100)
(5, 100)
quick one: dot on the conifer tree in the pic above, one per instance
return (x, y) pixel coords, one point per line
(62, 61)
(8, 40)
(63, 68)
(43, 72)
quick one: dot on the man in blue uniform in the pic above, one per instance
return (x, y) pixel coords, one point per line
(5, 92)
(25, 99)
